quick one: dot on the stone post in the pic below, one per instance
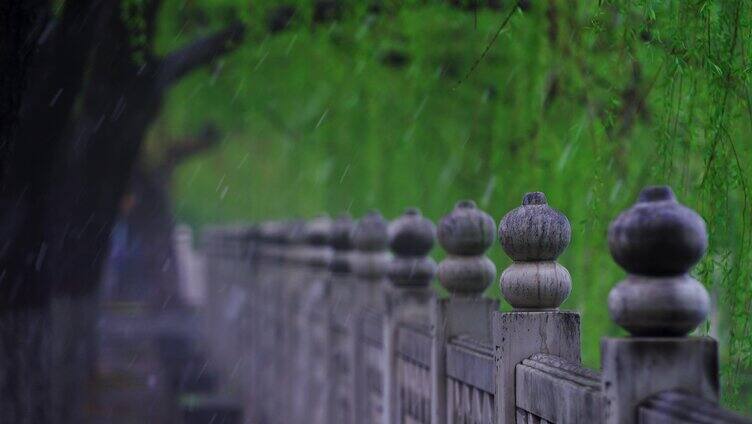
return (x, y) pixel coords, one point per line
(533, 235)
(369, 263)
(657, 241)
(312, 321)
(253, 319)
(465, 234)
(345, 305)
(411, 238)
(272, 233)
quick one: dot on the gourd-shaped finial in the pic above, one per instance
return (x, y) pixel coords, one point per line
(315, 235)
(341, 244)
(657, 241)
(534, 235)
(411, 238)
(293, 249)
(370, 238)
(466, 233)
(273, 235)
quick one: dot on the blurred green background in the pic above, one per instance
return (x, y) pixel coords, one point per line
(355, 105)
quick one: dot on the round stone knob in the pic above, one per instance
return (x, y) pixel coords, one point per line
(316, 231)
(272, 234)
(370, 237)
(295, 249)
(371, 233)
(658, 235)
(411, 238)
(466, 233)
(467, 230)
(411, 234)
(341, 243)
(315, 234)
(534, 231)
(342, 228)
(657, 241)
(534, 235)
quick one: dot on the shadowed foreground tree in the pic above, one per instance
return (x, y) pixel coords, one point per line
(151, 221)
(80, 89)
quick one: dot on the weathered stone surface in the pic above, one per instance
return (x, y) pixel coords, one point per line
(534, 231)
(678, 407)
(467, 230)
(341, 243)
(371, 233)
(370, 261)
(472, 363)
(558, 390)
(638, 367)
(659, 306)
(466, 233)
(657, 241)
(552, 285)
(517, 336)
(411, 234)
(534, 235)
(658, 235)
(411, 238)
(414, 343)
(466, 274)
(417, 272)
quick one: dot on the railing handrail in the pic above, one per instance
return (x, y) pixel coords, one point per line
(375, 344)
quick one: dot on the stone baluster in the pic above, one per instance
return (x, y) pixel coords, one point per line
(368, 263)
(311, 280)
(277, 334)
(341, 336)
(657, 241)
(533, 235)
(411, 238)
(465, 234)
(253, 318)
(266, 268)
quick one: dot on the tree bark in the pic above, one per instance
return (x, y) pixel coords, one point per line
(25, 362)
(62, 173)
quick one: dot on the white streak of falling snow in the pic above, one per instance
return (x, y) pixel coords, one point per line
(289, 46)
(57, 96)
(242, 161)
(344, 173)
(322, 117)
(261, 61)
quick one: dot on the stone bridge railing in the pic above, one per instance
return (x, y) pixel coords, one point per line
(336, 322)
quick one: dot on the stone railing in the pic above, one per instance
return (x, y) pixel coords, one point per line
(334, 321)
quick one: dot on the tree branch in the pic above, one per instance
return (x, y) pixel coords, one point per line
(202, 51)
(188, 147)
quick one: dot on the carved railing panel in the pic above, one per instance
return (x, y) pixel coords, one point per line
(414, 374)
(558, 390)
(674, 407)
(348, 341)
(373, 359)
(470, 382)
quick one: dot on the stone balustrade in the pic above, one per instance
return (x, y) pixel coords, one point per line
(336, 321)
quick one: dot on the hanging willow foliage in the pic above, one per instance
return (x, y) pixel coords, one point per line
(350, 105)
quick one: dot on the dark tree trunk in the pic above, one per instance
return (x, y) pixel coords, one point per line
(25, 336)
(62, 173)
(61, 49)
(151, 224)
